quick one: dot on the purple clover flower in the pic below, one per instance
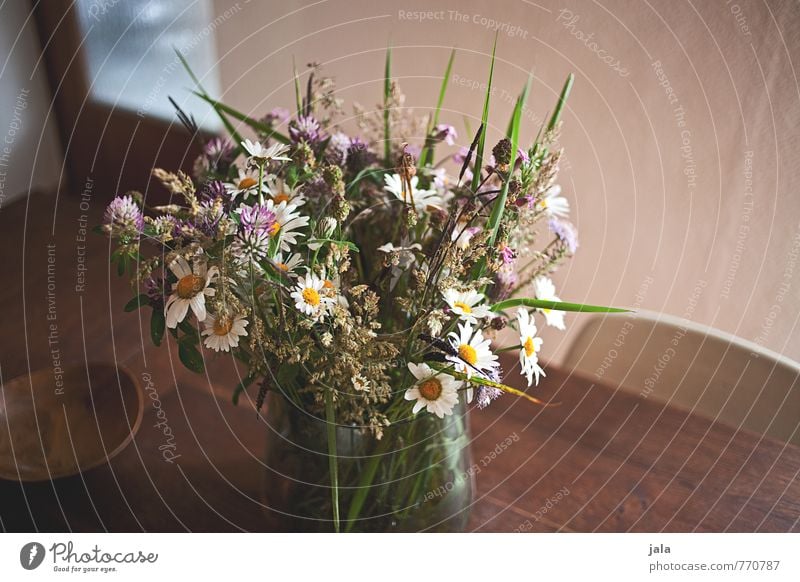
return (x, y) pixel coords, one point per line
(257, 218)
(306, 129)
(219, 149)
(123, 215)
(565, 232)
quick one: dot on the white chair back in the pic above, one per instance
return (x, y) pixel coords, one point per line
(675, 361)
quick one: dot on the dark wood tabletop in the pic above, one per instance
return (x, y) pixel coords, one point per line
(603, 460)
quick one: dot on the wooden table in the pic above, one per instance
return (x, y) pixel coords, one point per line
(603, 460)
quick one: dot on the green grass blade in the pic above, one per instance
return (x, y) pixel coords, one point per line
(202, 92)
(253, 123)
(387, 91)
(561, 100)
(557, 305)
(427, 150)
(523, 98)
(297, 92)
(476, 177)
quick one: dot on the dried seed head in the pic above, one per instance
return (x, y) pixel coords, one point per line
(502, 154)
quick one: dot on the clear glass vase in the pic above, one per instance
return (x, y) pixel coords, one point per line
(417, 477)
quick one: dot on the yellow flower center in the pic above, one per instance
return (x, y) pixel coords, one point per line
(223, 325)
(283, 267)
(530, 347)
(282, 197)
(274, 229)
(464, 307)
(543, 203)
(189, 286)
(327, 284)
(247, 182)
(467, 353)
(311, 296)
(430, 389)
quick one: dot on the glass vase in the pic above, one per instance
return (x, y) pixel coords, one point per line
(417, 477)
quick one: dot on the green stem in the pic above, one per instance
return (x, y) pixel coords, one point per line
(557, 305)
(333, 466)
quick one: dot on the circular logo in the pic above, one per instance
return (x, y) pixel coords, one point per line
(31, 555)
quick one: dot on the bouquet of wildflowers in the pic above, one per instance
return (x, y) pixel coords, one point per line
(365, 277)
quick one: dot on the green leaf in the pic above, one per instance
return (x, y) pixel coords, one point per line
(242, 386)
(157, 325)
(253, 123)
(387, 91)
(137, 302)
(121, 261)
(476, 177)
(190, 332)
(427, 150)
(561, 100)
(557, 305)
(190, 357)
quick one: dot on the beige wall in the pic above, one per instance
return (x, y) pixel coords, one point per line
(710, 232)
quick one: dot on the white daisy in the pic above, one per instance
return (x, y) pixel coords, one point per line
(309, 296)
(543, 288)
(262, 154)
(288, 264)
(280, 191)
(436, 391)
(189, 291)
(246, 184)
(223, 332)
(287, 222)
(422, 198)
(465, 304)
(529, 352)
(474, 355)
(553, 203)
